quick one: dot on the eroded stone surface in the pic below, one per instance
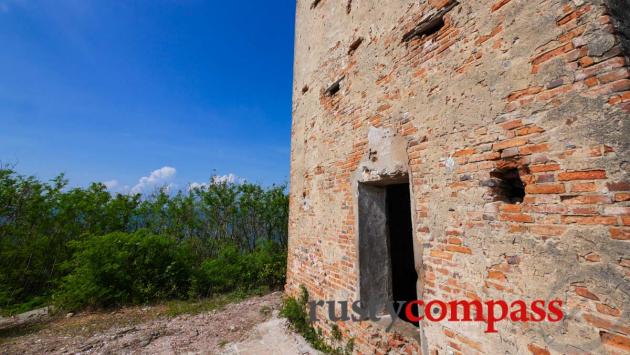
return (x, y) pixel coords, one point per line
(538, 86)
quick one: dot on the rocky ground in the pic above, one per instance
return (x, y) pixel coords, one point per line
(248, 327)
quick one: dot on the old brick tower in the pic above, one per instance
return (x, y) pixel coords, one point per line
(464, 150)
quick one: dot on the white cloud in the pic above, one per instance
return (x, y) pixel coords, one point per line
(217, 180)
(157, 178)
(111, 184)
(224, 179)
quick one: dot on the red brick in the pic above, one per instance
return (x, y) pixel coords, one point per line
(544, 168)
(537, 148)
(517, 228)
(593, 258)
(615, 62)
(525, 92)
(510, 208)
(545, 189)
(589, 220)
(614, 100)
(496, 275)
(617, 74)
(609, 88)
(464, 152)
(586, 199)
(552, 53)
(620, 233)
(573, 15)
(605, 19)
(441, 254)
(517, 142)
(537, 350)
(548, 230)
(584, 292)
(622, 196)
(619, 85)
(383, 107)
(586, 62)
(528, 130)
(583, 187)
(438, 4)
(469, 342)
(606, 309)
(616, 341)
(512, 124)
(583, 210)
(453, 232)
(582, 175)
(592, 81)
(618, 186)
(605, 324)
(459, 249)
(550, 94)
(453, 240)
(516, 217)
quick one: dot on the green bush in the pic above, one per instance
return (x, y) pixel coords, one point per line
(122, 268)
(72, 242)
(233, 270)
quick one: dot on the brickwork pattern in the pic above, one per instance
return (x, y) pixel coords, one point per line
(540, 86)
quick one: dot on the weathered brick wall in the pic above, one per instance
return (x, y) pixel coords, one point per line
(541, 86)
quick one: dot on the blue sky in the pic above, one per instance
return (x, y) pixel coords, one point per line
(115, 90)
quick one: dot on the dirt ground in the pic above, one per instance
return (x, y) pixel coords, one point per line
(248, 327)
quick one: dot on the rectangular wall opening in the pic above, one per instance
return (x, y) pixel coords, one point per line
(404, 276)
(386, 254)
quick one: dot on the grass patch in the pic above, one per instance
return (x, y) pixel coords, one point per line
(176, 308)
(14, 332)
(32, 304)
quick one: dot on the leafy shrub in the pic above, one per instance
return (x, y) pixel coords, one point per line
(232, 269)
(52, 239)
(122, 268)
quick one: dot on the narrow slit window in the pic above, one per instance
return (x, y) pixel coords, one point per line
(334, 88)
(355, 45)
(429, 25)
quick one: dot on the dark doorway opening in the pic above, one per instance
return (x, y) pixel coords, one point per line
(387, 271)
(403, 269)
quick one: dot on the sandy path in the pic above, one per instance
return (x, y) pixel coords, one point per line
(248, 327)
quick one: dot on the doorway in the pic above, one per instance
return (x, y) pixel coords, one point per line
(386, 253)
